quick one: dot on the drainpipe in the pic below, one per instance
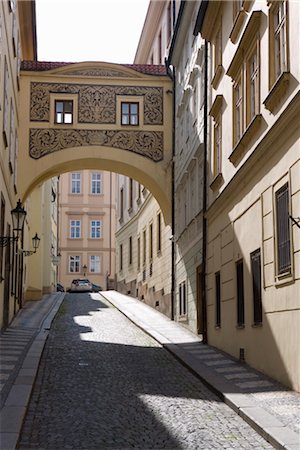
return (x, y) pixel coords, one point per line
(110, 233)
(204, 220)
(172, 75)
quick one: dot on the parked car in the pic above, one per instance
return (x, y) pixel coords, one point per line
(81, 285)
(96, 288)
(59, 287)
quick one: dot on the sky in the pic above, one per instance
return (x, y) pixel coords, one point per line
(89, 30)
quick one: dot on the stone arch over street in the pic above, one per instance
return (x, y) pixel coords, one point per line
(96, 137)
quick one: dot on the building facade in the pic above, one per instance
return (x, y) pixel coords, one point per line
(253, 263)
(144, 241)
(187, 57)
(86, 230)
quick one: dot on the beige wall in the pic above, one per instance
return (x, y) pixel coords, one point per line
(86, 206)
(242, 215)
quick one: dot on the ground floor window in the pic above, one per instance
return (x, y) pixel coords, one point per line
(256, 283)
(95, 264)
(182, 299)
(74, 264)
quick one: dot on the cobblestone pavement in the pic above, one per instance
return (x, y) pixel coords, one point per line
(105, 384)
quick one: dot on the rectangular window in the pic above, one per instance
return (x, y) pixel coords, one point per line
(74, 264)
(144, 247)
(159, 43)
(159, 233)
(151, 242)
(95, 264)
(238, 111)
(95, 229)
(121, 257)
(280, 38)
(256, 285)
(283, 237)
(6, 105)
(240, 293)
(252, 86)
(76, 183)
(218, 298)
(182, 299)
(130, 193)
(217, 146)
(169, 22)
(130, 251)
(75, 229)
(64, 111)
(138, 253)
(129, 113)
(96, 183)
(121, 203)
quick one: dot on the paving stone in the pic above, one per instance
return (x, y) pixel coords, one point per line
(104, 384)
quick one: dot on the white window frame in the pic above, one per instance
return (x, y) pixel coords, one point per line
(75, 226)
(96, 183)
(75, 263)
(76, 183)
(95, 229)
(94, 264)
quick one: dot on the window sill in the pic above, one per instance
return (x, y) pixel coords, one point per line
(182, 318)
(284, 279)
(240, 327)
(250, 131)
(237, 26)
(130, 210)
(216, 182)
(217, 327)
(277, 91)
(217, 76)
(257, 325)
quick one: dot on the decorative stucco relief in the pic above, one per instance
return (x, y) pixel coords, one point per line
(96, 104)
(99, 73)
(145, 143)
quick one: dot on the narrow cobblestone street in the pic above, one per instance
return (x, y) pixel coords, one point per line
(105, 384)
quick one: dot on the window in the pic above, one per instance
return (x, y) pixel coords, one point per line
(130, 251)
(240, 293)
(138, 253)
(182, 299)
(169, 22)
(256, 286)
(96, 229)
(95, 264)
(74, 264)
(278, 38)
(121, 204)
(158, 232)
(217, 55)
(130, 193)
(283, 237)
(217, 146)
(129, 113)
(244, 71)
(121, 257)
(151, 242)
(159, 43)
(76, 183)
(144, 247)
(96, 183)
(75, 229)
(6, 105)
(218, 298)
(64, 111)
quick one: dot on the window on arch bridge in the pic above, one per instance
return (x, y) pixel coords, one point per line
(64, 111)
(129, 113)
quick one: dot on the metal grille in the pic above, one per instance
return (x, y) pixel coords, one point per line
(283, 230)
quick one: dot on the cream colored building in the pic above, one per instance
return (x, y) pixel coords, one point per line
(143, 241)
(253, 242)
(187, 57)
(87, 222)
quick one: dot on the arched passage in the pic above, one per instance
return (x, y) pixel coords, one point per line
(96, 137)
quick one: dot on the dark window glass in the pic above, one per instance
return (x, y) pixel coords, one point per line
(218, 298)
(240, 293)
(256, 283)
(283, 230)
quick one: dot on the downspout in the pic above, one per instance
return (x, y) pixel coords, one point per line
(110, 233)
(172, 75)
(204, 220)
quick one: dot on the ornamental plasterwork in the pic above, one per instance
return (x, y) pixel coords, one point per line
(99, 73)
(145, 143)
(96, 104)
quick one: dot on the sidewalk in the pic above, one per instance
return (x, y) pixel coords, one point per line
(21, 346)
(270, 408)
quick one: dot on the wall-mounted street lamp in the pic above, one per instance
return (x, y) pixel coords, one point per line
(35, 244)
(18, 215)
(84, 268)
(296, 221)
